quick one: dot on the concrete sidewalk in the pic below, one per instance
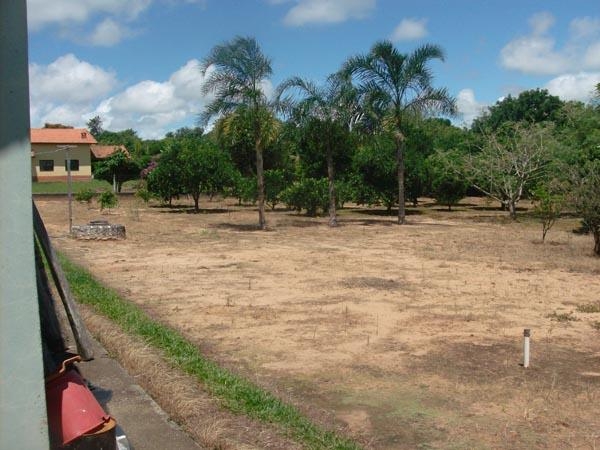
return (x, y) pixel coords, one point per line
(139, 417)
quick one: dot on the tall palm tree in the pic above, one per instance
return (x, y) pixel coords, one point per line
(238, 72)
(401, 86)
(331, 107)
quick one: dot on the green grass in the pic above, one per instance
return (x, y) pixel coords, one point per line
(60, 187)
(236, 393)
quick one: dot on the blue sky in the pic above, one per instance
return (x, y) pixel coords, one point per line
(135, 63)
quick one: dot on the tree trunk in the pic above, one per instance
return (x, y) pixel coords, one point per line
(332, 200)
(260, 180)
(400, 157)
(196, 198)
(596, 232)
(512, 208)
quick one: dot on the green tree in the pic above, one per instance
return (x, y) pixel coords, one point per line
(238, 72)
(276, 181)
(235, 134)
(116, 169)
(374, 172)
(309, 194)
(532, 106)
(128, 138)
(448, 185)
(585, 195)
(204, 169)
(186, 132)
(95, 126)
(164, 177)
(401, 84)
(325, 114)
(548, 204)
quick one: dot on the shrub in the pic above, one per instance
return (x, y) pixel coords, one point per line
(85, 195)
(108, 199)
(244, 189)
(144, 194)
(548, 206)
(276, 180)
(309, 194)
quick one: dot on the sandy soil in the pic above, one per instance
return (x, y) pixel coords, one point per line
(410, 336)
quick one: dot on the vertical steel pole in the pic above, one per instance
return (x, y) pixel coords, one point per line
(23, 418)
(69, 190)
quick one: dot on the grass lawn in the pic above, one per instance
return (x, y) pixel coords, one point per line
(60, 187)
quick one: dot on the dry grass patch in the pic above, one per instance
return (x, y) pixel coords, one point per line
(180, 395)
(408, 336)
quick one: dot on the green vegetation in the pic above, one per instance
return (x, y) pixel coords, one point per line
(239, 69)
(402, 87)
(85, 195)
(108, 200)
(117, 169)
(237, 393)
(369, 129)
(60, 187)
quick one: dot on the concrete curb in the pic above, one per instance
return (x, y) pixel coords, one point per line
(138, 416)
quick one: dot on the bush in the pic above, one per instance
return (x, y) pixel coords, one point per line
(144, 194)
(85, 195)
(276, 181)
(244, 189)
(108, 199)
(309, 194)
(547, 208)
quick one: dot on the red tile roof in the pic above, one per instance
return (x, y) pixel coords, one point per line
(104, 151)
(61, 136)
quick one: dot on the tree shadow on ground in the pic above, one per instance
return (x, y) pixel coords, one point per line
(368, 222)
(191, 210)
(239, 227)
(386, 213)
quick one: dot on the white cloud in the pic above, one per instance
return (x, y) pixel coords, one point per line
(71, 91)
(468, 107)
(591, 60)
(409, 29)
(574, 86)
(69, 80)
(108, 33)
(152, 108)
(541, 22)
(147, 96)
(584, 27)
(538, 54)
(327, 11)
(41, 13)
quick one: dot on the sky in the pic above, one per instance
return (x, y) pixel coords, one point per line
(136, 63)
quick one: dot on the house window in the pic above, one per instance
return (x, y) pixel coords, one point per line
(46, 165)
(74, 165)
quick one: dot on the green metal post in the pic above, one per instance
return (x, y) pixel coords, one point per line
(23, 418)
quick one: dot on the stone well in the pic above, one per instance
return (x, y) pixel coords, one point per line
(99, 230)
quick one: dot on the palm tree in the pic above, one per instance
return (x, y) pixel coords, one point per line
(238, 72)
(400, 85)
(330, 108)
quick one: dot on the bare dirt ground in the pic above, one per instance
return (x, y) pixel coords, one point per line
(411, 336)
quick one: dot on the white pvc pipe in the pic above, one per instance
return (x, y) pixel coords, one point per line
(526, 335)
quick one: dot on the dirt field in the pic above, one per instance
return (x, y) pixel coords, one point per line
(411, 336)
